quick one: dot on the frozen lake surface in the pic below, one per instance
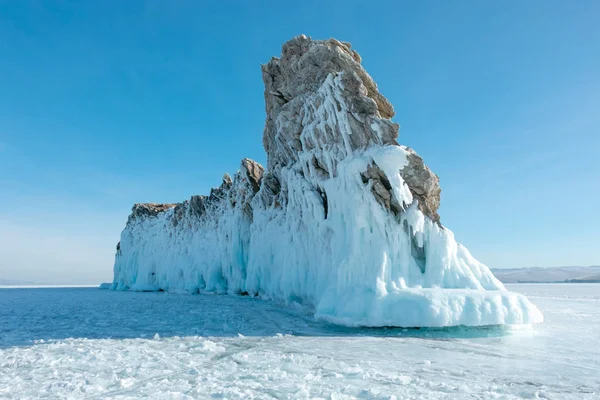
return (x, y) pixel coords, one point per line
(90, 343)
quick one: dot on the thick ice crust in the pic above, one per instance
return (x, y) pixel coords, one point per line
(360, 265)
(432, 308)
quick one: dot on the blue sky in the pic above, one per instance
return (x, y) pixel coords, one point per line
(107, 103)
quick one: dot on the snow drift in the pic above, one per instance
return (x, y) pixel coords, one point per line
(343, 220)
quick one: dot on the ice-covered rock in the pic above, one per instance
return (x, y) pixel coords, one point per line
(343, 219)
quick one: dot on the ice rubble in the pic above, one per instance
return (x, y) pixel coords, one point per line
(343, 220)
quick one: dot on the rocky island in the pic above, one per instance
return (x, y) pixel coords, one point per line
(342, 220)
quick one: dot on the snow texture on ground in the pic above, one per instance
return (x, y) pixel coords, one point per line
(98, 344)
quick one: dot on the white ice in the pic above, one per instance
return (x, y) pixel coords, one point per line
(97, 344)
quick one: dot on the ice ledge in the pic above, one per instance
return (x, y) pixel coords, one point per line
(433, 307)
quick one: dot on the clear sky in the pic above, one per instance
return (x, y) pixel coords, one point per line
(107, 103)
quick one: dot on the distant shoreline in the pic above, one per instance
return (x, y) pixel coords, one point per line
(547, 282)
(590, 274)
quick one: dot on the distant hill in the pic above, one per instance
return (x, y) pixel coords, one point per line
(586, 279)
(10, 282)
(548, 274)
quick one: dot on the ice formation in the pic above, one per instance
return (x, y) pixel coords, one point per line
(343, 219)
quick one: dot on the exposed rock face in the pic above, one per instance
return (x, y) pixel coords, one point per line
(149, 209)
(296, 78)
(293, 129)
(254, 171)
(382, 188)
(424, 185)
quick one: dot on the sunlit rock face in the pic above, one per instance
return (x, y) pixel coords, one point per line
(343, 219)
(322, 107)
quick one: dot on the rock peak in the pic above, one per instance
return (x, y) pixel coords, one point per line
(322, 106)
(298, 77)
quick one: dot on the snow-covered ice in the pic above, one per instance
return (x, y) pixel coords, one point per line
(98, 344)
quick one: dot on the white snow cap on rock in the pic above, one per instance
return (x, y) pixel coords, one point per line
(343, 220)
